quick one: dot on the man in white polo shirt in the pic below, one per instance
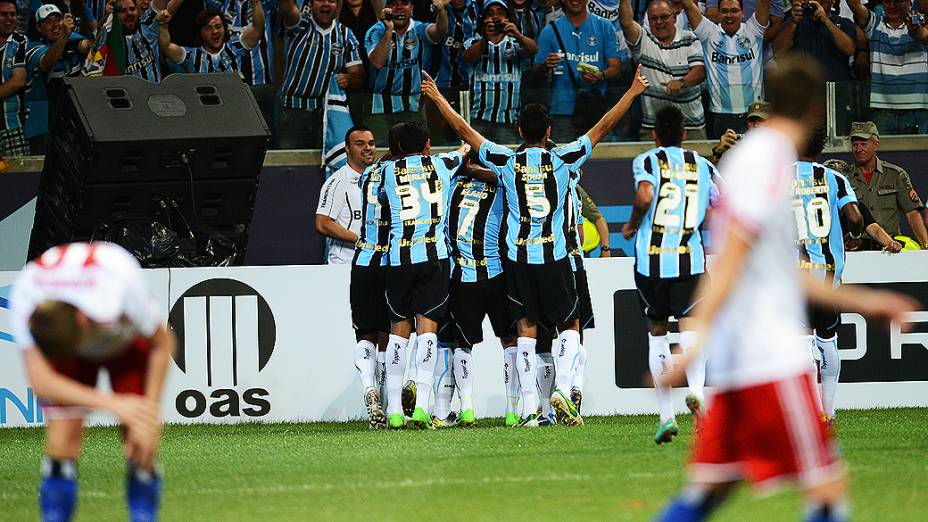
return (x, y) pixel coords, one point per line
(338, 216)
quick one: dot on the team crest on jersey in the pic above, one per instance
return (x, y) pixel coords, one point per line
(337, 48)
(509, 53)
(411, 42)
(591, 41)
(743, 41)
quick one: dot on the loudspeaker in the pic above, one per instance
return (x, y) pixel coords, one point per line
(122, 149)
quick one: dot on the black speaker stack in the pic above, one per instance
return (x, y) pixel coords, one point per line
(182, 156)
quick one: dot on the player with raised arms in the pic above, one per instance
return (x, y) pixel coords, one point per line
(77, 309)
(539, 280)
(763, 422)
(669, 253)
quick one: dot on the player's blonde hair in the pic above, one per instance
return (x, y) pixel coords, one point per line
(55, 329)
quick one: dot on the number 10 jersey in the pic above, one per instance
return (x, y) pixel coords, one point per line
(669, 241)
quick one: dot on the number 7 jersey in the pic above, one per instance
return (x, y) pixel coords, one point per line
(668, 243)
(418, 189)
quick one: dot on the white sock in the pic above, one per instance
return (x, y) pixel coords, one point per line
(660, 363)
(525, 365)
(511, 379)
(464, 377)
(545, 380)
(565, 359)
(365, 360)
(426, 358)
(382, 375)
(696, 371)
(444, 381)
(831, 371)
(809, 341)
(581, 367)
(396, 372)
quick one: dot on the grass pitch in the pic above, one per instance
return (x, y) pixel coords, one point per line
(608, 470)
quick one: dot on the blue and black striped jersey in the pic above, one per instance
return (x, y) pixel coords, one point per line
(819, 194)
(536, 183)
(475, 216)
(311, 56)
(453, 71)
(143, 59)
(199, 60)
(496, 80)
(374, 238)
(573, 223)
(13, 53)
(668, 243)
(396, 84)
(418, 189)
(257, 66)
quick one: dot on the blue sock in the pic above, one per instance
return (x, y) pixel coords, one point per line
(143, 492)
(819, 512)
(693, 504)
(58, 490)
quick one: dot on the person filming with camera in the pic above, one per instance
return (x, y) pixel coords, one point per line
(815, 30)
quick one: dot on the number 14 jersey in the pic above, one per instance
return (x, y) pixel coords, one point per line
(669, 240)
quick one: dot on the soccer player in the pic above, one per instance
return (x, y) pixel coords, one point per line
(478, 283)
(214, 54)
(369, 315)
(539, 281)
(417, 187)
(338, 216)
(821, 197)
(674, 187)
(75, 310)
(762, 423)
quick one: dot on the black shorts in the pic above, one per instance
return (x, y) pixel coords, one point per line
(368, 299)
(587, 321)
(663, 298)
(824, 320)
(544, 294)
(418, 289)
(471, 302)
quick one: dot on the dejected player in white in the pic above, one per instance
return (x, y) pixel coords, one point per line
(76, 309)
(762, 423)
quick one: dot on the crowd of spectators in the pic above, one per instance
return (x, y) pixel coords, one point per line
(576, 56)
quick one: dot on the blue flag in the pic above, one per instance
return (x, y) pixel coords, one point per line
(336, 120)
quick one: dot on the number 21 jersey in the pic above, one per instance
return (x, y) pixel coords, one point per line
(669, 241)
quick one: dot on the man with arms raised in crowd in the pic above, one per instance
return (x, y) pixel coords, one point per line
(540, 283)
(75, 310)
(675, 187)
(215, 54)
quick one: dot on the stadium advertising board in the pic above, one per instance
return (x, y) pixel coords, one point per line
(275, 344)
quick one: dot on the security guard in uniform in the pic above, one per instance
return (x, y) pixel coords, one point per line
(885, 189)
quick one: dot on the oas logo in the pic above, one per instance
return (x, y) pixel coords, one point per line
(225, 336)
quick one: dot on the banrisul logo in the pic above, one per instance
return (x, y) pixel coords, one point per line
(225, 337)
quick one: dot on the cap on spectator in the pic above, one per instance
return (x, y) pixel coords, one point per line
(47, 10)
(488, 3)
(760, 110)
(864, 130)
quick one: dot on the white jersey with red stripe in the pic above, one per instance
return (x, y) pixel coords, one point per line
(101, 280)
(756, 336)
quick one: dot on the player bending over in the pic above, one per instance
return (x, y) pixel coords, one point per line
(762, 423)
(539, 280)
(675, 187)
(76, 309)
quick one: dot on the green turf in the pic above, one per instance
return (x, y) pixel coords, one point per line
(608, 470)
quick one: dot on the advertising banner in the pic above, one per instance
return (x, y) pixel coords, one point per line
(275, 344)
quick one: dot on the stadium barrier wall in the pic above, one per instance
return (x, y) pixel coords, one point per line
(279, 346)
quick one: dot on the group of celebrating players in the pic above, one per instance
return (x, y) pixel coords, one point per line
(507, 220)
